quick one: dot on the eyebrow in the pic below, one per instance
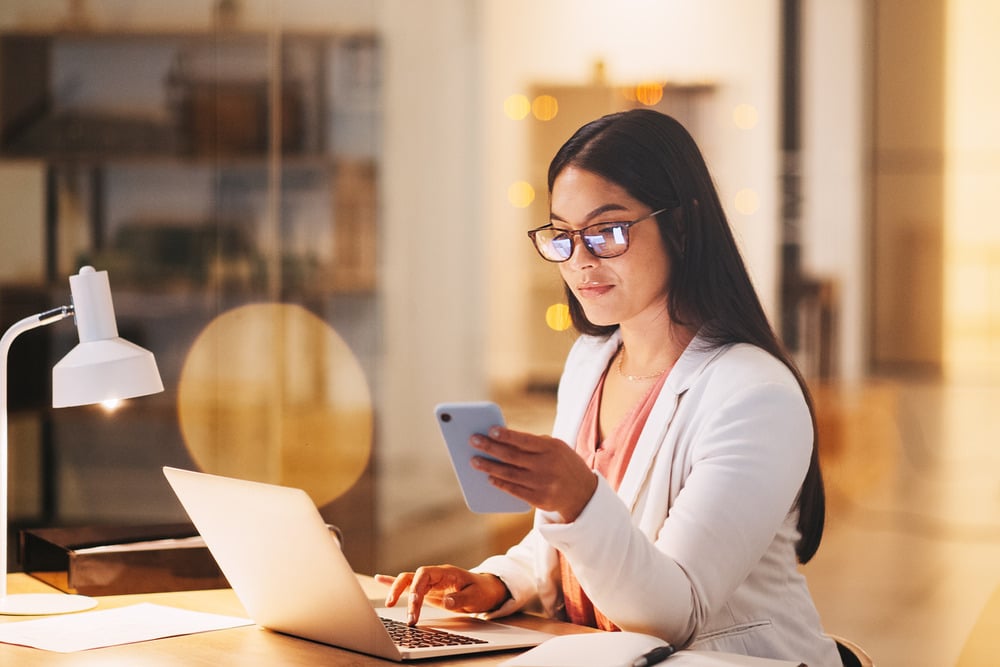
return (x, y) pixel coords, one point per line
(590, 216)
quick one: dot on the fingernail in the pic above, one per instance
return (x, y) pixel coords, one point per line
(494, 432)
(449, 602)
(411, 619)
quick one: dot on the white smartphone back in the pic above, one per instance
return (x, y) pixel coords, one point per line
(458, 423)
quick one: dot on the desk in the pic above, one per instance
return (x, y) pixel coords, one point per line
(247, 646)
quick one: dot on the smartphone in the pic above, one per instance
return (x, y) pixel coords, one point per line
(458, 423)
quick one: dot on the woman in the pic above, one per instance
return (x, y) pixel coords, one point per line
(690, 487)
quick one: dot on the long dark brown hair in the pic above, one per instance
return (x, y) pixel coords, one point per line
(655, 159)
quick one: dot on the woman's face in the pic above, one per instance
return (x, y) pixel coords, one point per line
(630, 289)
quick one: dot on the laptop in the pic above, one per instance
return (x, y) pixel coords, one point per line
(291, 576)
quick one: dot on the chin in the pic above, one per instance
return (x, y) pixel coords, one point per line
(600, 319)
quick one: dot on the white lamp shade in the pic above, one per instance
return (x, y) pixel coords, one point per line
(104, 370)
(102, 367)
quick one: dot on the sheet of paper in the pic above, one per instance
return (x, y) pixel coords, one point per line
(125, 625)
(194, 542)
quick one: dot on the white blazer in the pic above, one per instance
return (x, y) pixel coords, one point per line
(698, 544)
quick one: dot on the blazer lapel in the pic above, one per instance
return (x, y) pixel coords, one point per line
(654, 433)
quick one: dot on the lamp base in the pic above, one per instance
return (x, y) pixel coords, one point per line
(44, 604)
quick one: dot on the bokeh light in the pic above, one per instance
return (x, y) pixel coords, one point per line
(521, 194)
(517, 107)
(747, 201)
(545, 107)
(649, 93)
(557, 317)
(270, 392)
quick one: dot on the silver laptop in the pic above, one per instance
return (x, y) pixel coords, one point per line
(289, 572)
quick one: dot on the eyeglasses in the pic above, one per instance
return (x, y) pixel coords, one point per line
(603, 239)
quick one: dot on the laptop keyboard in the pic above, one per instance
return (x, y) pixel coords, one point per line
(409, 636)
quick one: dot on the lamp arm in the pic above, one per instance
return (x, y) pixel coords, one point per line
(28, 323)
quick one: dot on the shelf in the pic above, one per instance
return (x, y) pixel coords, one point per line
(106, 95)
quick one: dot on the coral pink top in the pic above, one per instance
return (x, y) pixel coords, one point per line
(609, 459)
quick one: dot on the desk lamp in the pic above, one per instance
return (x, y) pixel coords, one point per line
(103, 367)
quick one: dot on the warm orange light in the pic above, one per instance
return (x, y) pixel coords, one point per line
(545, 107)
(521, 194)
(649, 93)
(557, 317)
(517, 107)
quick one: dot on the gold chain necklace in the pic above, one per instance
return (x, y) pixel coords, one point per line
(634, 378)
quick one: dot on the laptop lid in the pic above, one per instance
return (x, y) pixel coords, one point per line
(291, 576)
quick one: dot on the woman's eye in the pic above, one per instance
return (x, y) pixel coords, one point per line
(614, 231)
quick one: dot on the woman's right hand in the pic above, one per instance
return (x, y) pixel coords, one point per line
(445, 586)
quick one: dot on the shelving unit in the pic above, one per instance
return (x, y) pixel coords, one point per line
(251, 110)
(204, 170)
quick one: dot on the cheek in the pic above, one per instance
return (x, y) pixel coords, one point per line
(653, 275)
(569, 275)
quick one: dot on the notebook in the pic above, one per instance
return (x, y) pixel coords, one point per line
(289, 572)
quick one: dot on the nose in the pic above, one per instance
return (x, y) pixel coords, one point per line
(580, 257)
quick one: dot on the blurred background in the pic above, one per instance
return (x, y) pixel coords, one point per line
(313, 212)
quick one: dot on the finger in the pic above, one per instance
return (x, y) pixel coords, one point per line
(528, 494)
(422, 583)
(526, 442)
(499, 453)
(388, 580)
(397, 586)
(517, 447)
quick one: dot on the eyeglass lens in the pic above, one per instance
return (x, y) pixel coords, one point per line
(605, 240)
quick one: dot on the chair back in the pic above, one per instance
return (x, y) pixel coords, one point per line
(851, 654)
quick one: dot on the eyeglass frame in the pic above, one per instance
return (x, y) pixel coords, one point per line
(627, 225)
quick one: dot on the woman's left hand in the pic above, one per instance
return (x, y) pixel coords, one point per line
(540, 470)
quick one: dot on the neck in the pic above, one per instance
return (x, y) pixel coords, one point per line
(651, 350)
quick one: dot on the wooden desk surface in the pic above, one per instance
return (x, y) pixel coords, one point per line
(248, 645)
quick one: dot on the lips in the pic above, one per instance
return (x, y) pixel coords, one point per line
(593, 289)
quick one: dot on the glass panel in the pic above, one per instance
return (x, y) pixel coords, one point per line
(227, 181)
